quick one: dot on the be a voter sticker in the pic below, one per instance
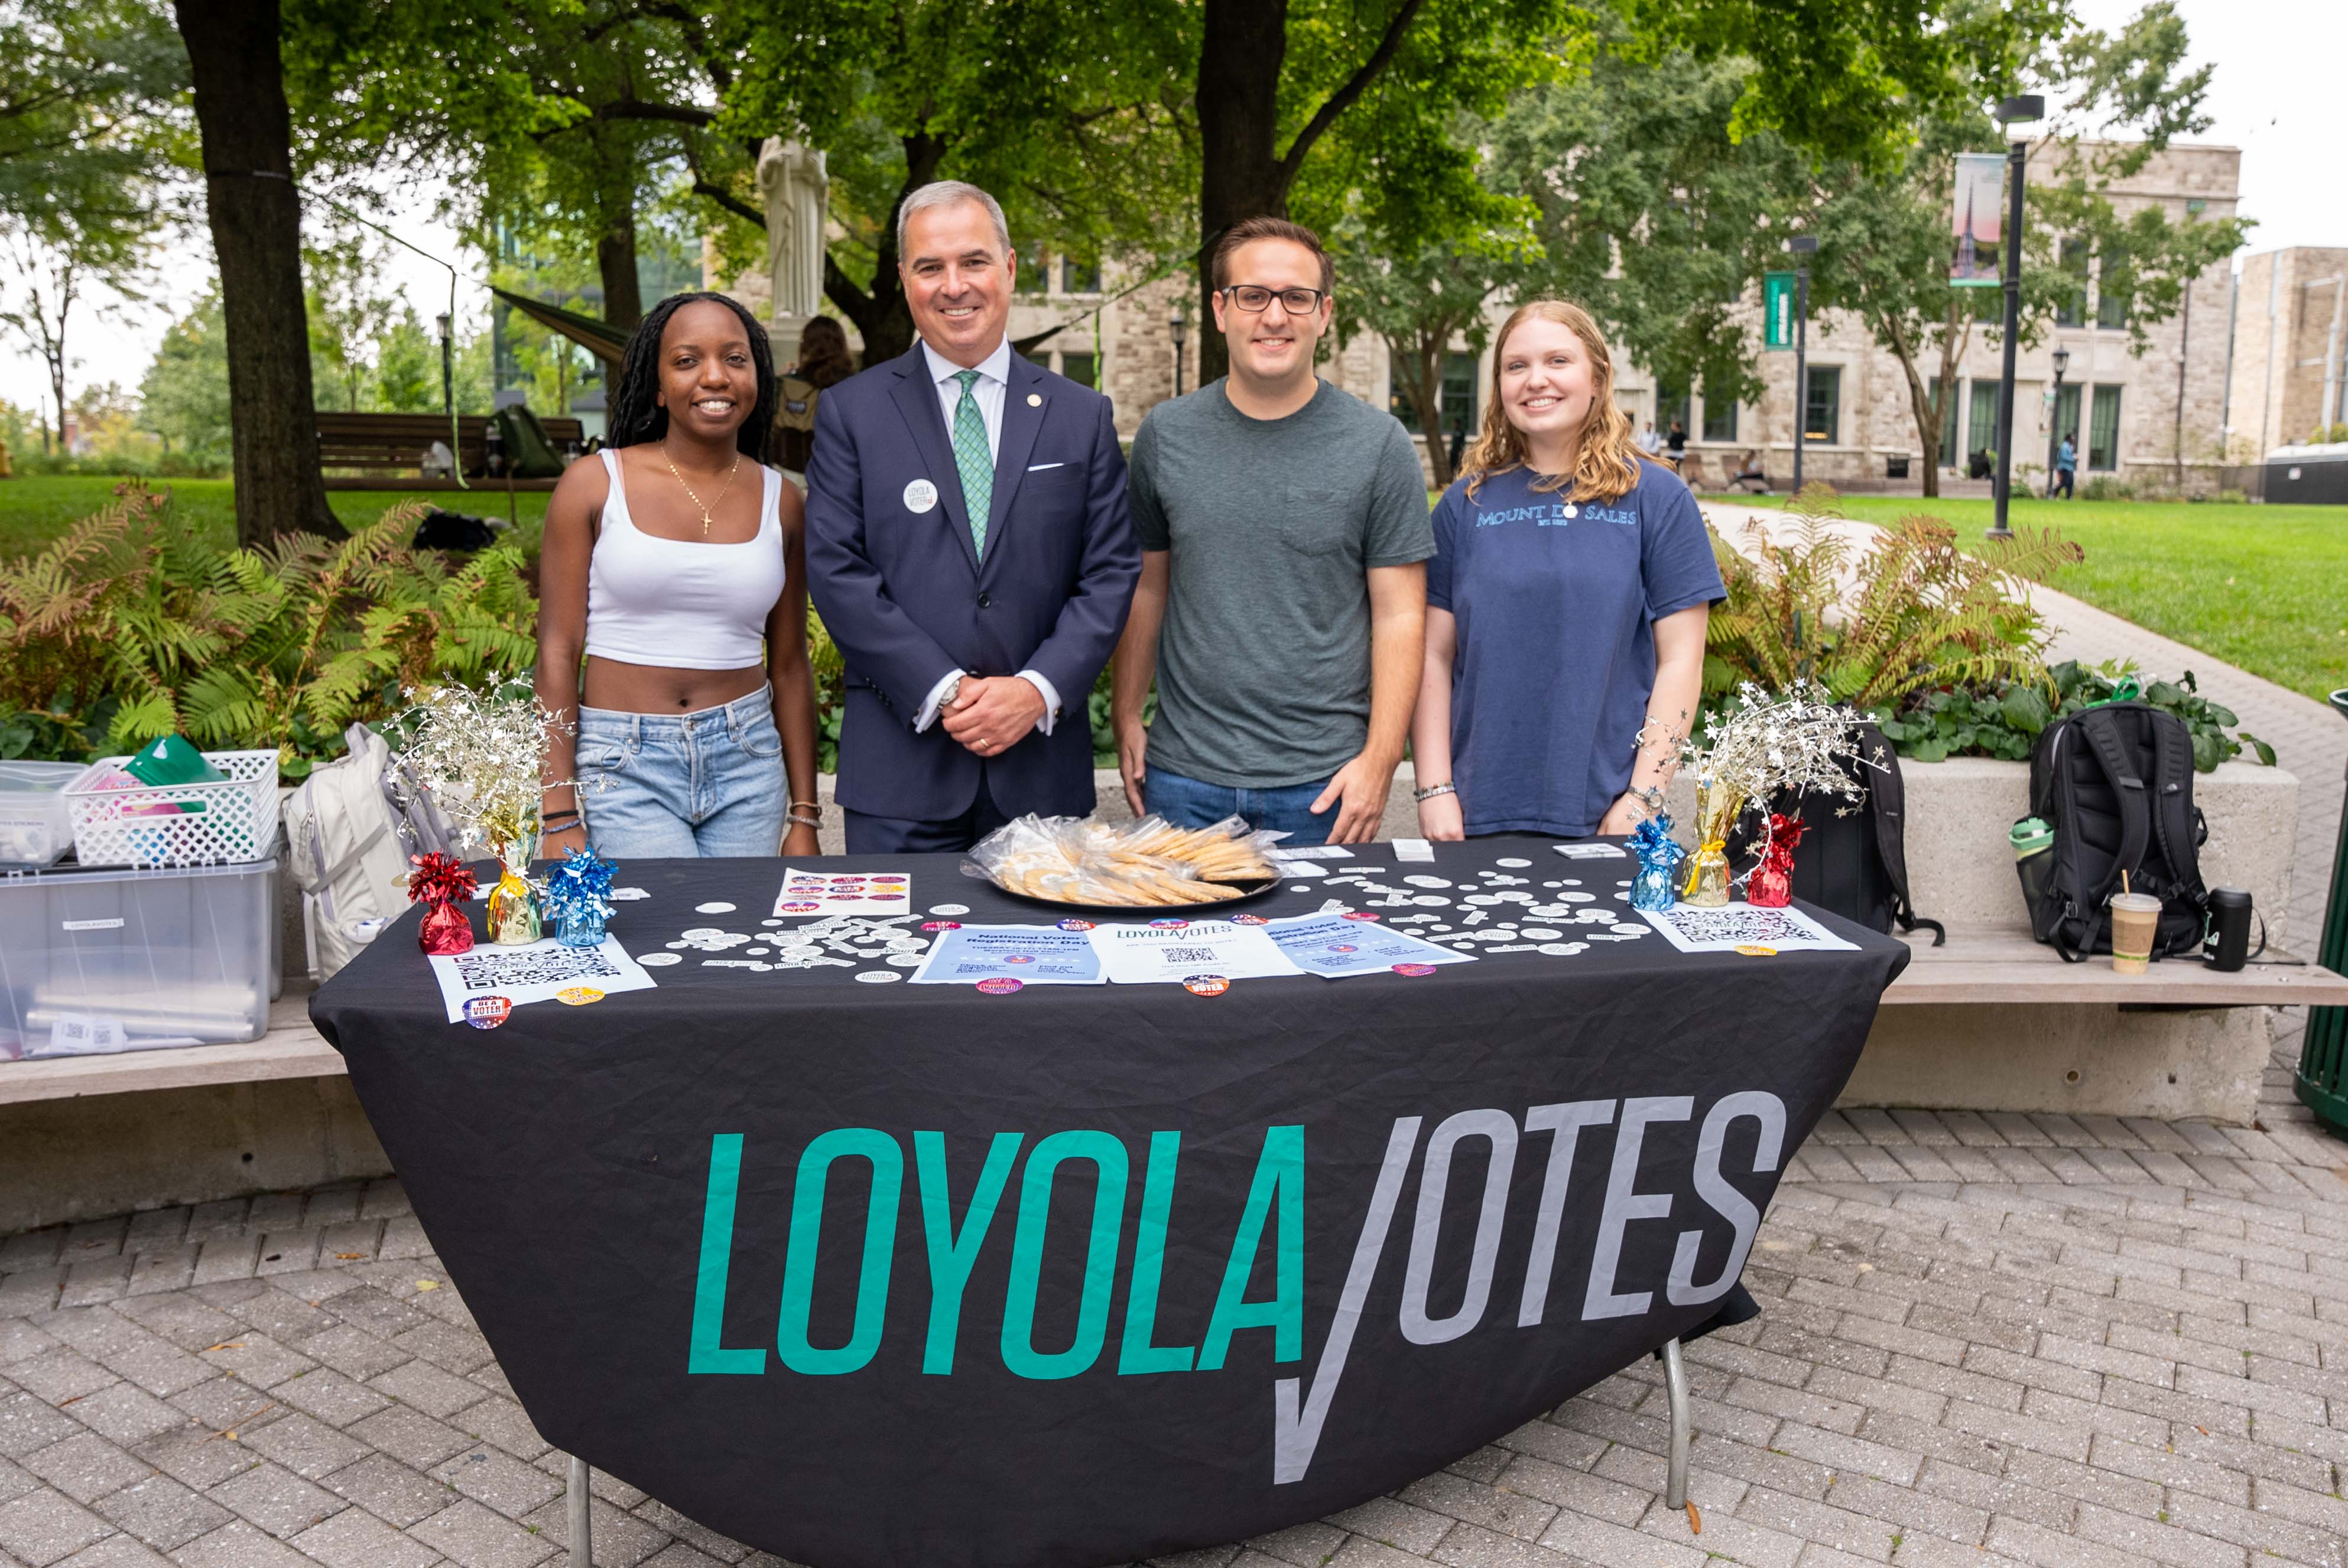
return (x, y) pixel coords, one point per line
(487, 1013)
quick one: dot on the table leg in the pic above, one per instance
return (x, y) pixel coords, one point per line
(1675, 1390)
(582, 1529)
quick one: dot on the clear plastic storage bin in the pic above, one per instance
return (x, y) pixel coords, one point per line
(94, 962)
(36, 827)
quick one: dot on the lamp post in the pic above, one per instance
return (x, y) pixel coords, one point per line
(2054, 426)
(1178, 326)
(2020, 110)
(1803, 246)
(448, 370)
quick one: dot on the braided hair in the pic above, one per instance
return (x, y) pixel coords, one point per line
(636, 415)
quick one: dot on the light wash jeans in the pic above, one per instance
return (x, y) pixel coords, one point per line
(658, 786)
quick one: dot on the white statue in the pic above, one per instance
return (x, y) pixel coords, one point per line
(792, 180)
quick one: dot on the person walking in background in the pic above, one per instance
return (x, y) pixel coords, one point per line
(1282, 598)
(677, 569)
(823, 362)
(1676, 444)
(1567, 604)
(1650, 443)
(969, 550)
(2066, 468)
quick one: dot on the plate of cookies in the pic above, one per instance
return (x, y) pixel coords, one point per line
(1085, 863)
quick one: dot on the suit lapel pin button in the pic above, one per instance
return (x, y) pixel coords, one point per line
(1035, 400)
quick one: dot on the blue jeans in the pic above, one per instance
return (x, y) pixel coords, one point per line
(1187, 802)
(661, 786)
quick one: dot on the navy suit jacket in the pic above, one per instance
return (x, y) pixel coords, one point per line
(907, 599)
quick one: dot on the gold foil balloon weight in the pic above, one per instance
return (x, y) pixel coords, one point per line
(1707, 879)
(514, 920)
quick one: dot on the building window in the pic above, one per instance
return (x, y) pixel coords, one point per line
(2104, 430)
(1982, 435)
(1671, 402)
(1034, 271)
(2072, 310)
(1080, 277)
(1719, 418)
(2112, 290)
(1084, 369)
(2066, 416)
(1822, 411)
(1456, 398)
(1948, 421)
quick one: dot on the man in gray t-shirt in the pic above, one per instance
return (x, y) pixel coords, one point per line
(1283, 602)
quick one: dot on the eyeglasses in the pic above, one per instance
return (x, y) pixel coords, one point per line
(1254, 298)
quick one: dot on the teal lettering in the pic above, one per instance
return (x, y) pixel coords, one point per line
(708, 1354)
(952, 1255)
(1137, 1354)
(1279, 1171)
(1019, 1352)
(807, 1230)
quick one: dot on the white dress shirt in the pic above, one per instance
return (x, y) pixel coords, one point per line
(993, 384)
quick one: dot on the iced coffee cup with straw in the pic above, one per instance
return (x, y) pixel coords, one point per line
(2136, 920)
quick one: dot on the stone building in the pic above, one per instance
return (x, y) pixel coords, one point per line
(2290, 330)
(2150, 420)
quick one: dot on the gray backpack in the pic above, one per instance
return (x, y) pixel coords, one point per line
(350, 827)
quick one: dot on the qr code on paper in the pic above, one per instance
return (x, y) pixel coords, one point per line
(1745, 924)
(489, 969)
(1186, 955)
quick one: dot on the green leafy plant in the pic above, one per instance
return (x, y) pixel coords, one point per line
(134, 625)
(1873, 624)
(1932, 726)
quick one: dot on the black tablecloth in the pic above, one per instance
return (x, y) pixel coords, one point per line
(1238, 1261)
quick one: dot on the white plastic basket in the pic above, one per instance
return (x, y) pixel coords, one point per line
(238, 821)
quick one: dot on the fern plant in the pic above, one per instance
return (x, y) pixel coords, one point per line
(1875, 621)
(135, 625)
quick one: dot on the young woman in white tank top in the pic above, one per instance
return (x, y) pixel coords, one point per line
(672, 617)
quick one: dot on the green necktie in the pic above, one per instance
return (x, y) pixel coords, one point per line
(971, 456)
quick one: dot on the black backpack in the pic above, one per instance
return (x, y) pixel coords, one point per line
(2116, 783)
(1853, 859)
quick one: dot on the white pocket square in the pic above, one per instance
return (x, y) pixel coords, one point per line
(1039, 467)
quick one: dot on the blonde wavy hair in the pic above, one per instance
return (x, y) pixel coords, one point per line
(1608, 467)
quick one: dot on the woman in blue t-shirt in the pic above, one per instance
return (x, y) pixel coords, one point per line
(1565, 605)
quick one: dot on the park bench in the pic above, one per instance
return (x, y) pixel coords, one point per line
(390, 450)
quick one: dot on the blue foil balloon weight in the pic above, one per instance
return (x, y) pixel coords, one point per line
(580, 927)
(578, 898)
(1659, 857)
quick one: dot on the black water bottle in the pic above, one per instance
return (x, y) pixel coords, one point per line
(2227, 946)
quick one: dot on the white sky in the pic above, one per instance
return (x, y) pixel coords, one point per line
(2277, 95)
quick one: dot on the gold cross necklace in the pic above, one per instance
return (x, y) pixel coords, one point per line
(688, 489)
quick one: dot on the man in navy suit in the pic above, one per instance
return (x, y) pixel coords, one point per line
(968, 548)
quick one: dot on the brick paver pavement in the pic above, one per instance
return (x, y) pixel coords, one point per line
(1987, 1340)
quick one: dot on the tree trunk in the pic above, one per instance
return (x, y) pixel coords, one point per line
(1421, 385)
(255, 211)
(615, 247)
(1919, 406)
(1239, 137)
(54, 348)
(881, 316)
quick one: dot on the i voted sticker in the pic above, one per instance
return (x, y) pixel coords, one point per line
(1206, 985)
(999, 985)
(921, 496)
(1414, 969)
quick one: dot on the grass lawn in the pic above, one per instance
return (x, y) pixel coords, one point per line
(37, 508)
(2265, 588)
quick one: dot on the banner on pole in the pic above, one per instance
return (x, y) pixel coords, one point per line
(1777, 311)
(1973, 219)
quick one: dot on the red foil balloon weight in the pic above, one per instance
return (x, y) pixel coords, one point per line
(442, 886)
(1771, 882)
